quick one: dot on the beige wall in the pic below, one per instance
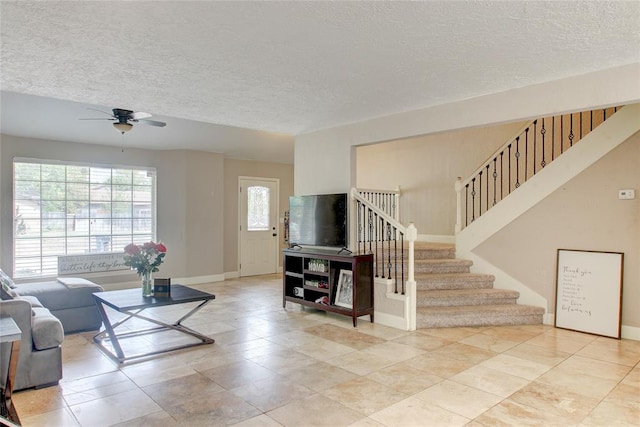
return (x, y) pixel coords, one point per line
(426, 169)
(191, 199)
(205, 217)
(585, 214)
(323, 166)
(233, 169)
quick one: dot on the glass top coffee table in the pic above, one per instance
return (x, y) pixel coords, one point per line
(131, 303)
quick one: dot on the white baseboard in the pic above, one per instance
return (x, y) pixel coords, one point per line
(630, 332)
(626, 332)
(232, 275)
(390, 320)
(236, 274)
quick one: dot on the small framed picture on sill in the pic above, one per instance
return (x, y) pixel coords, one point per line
(161, 288)
(344, 290)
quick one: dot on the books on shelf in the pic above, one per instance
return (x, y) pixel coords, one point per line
(320, 284)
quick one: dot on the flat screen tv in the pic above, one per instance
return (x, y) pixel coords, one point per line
(319, 220)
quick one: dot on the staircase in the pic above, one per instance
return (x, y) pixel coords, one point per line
(439, 290)
(448, 294)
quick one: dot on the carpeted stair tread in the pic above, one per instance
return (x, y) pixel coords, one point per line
(444, 265)
(431, 246)
(434, 252)
(509, 309)
(478, 315)
(466, 297)
(426, 281)
(429, 255)
(449, 295)
(422, 250)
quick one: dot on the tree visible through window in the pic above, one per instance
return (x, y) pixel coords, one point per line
(67, 209)
(257, 208)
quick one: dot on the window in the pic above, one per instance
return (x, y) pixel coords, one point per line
(69, 209)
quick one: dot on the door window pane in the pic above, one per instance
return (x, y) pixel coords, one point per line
(258, 208)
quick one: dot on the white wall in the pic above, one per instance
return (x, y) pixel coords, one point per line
(322, 165)
(323, 158)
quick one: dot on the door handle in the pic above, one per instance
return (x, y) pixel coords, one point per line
(274, 234)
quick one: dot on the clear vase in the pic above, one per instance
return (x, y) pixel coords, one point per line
(147, 287)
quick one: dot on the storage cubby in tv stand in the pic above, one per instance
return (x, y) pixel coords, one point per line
(296, 272)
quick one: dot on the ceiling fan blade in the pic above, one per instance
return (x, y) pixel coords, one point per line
(139, 115)
(153, 123)
(100, 111)
(126, 118)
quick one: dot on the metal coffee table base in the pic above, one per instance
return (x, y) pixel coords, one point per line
(116, 352)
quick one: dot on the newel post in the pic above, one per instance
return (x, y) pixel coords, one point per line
(458, 188)
(411, 292)
(396, 200)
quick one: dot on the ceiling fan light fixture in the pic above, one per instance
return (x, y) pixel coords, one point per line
(123, 127)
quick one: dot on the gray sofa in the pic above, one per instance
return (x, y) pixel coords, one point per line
(73, 305)
(44, 312)
(40, 359)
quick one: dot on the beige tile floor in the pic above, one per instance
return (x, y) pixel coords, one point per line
(300, 367)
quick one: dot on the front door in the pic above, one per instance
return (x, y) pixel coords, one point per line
(258, 226)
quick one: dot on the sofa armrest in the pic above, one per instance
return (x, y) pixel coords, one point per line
(20, 311)
(40, 329)
(46, 329)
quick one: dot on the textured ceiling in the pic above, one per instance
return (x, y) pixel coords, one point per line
(295, 67)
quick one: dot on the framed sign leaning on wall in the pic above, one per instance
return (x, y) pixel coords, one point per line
(589, 291)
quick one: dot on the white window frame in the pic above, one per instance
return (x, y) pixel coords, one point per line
(45, 267)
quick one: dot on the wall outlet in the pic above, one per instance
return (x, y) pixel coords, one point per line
(628, 194)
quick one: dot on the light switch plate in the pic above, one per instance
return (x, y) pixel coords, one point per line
(628, 194)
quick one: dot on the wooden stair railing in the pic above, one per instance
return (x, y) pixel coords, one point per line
(391, 244)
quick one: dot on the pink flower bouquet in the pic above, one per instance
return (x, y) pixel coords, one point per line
(145, 258)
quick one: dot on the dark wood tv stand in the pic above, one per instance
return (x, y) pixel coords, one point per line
(311, 274)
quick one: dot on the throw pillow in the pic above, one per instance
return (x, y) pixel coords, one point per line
(6, 293)
(6, 279)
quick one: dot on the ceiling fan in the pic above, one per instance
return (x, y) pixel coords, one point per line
(124, 119)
